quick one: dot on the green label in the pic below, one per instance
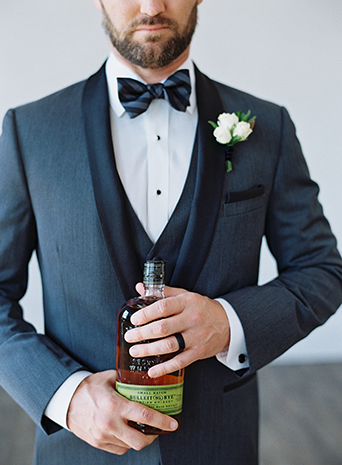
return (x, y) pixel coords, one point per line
(166, 399)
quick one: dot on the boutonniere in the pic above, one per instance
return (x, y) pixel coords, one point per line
(230, 129)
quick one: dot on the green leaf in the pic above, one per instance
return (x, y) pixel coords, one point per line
(246, 116)
(229, 166)
(214, 125)
(234, 140)
(239, 114)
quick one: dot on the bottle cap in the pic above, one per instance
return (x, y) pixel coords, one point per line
(154, 272)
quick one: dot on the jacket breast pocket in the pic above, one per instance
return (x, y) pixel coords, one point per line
(239, 202)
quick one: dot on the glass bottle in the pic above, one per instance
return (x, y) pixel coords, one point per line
(165, 393)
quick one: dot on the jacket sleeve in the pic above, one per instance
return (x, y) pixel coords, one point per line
(308, 289)
(32, 366)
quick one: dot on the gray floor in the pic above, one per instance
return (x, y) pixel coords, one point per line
(301, 415)
(301, 418)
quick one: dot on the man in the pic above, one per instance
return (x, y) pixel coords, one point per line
(96, 189)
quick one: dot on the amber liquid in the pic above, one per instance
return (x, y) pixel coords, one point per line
(134, 370)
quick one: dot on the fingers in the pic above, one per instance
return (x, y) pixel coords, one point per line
(176, 363)
(161, 309)
(164, 318)
(157, 329)
(201, 321)
(100, 416)
(117, 435)
(144, 415)
(163, 346)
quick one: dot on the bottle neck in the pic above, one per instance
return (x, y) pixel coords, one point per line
(154, 290)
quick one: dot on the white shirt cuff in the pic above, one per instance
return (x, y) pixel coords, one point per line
(235, 356)
(58, 406)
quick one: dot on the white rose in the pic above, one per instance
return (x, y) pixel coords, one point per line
(222, 134)
(227, 120)
(242, 130)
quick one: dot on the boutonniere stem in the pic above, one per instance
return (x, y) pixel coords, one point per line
(230, 129)
(228, 158)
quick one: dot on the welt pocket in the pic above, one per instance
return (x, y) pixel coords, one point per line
(242, 202)
(239, 196)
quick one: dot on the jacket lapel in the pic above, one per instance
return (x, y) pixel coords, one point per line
(108, 190)
(208, 190)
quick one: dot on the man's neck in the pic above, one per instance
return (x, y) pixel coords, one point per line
(151, 76)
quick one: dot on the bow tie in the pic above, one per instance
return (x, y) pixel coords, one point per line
(136, 97)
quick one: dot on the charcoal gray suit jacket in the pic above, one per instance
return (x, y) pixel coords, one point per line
(60, 195)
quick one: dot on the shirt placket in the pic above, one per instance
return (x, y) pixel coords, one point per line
(158, 167)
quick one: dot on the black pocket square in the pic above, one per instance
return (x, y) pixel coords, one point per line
(247, 194)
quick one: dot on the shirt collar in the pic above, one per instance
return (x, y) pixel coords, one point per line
(115, 68)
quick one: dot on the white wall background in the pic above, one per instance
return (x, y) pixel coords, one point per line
(288, 52)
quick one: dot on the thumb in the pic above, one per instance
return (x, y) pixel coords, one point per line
(139, 287)
(168, 291)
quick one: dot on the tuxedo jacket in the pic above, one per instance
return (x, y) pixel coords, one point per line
(60, 195)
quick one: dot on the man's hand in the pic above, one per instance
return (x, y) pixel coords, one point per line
(98, 415)
(202, 322)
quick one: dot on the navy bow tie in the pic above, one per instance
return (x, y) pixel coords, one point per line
(135, 96)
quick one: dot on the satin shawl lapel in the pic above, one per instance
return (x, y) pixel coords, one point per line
(208, 190)
(108, 190)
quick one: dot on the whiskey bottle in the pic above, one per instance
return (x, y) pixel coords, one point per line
(165, 393)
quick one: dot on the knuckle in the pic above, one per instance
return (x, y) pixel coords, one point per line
(170, 345)
(137, 333)
(197, 318)
(146, 415)
(98, 439)
(97, 444)
(192, 298)
(143, 314)
(161, 327)
(201, 352)
(161, 306)
(139, 445)
(99, 434)
(103, 425)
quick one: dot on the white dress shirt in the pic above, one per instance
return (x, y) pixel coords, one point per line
(152, 154)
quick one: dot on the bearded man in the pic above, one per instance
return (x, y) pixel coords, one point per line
(107, 173)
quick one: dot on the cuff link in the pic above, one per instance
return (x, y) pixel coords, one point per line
(242, 358)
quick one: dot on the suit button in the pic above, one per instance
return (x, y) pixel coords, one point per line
(242, 358)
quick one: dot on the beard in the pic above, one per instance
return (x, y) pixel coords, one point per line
(152, 53)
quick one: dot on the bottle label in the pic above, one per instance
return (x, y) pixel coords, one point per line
(166, 399)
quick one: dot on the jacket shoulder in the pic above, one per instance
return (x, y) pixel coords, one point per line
(60, 102)
(228, 93)
(237, 100)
